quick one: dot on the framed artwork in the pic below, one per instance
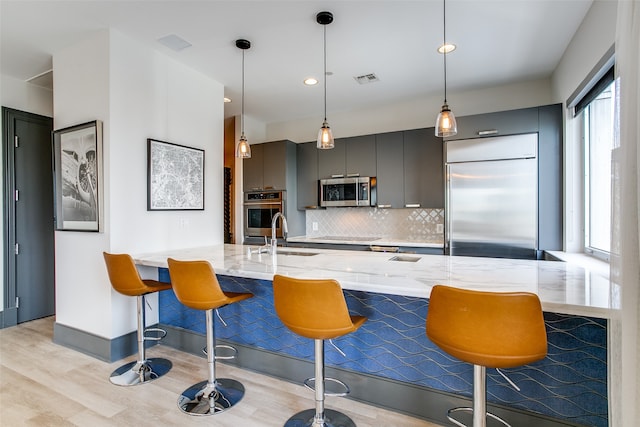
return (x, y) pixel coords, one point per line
(77, 156)
(175, 177)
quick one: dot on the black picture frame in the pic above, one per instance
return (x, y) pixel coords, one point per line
(175, 177)
(78, 176)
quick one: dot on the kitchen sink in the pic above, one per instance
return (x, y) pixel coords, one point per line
(295, 253)
(405, 258)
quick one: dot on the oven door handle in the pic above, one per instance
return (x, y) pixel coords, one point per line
(263, 204)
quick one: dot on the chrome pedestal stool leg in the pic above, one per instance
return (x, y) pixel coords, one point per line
(479, 410)
(320, 417)
(213, 395)
(142, 370)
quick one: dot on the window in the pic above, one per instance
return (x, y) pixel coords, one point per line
(598, 118)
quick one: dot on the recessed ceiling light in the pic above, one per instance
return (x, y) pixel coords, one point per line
(310, 81)
(174, 42)
(447, 48)
(227, 100)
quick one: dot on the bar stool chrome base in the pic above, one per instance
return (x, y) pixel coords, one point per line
(134, 373)
(204, 399)
(470, 411)
(332, 418)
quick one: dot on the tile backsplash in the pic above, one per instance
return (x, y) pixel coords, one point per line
(419, 225)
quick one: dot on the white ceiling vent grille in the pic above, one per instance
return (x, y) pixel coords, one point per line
(367, 78)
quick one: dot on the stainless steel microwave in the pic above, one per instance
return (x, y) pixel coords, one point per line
(352, 191)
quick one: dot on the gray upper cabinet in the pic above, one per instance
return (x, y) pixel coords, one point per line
(333, 162)
(499, 123)
(253, 169)
(360, 156)
(268, 166)
(355, 156)
(307, 165)
(390, 170)
(423, 169)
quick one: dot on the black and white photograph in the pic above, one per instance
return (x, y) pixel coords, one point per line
(78, 158)
(175, 176)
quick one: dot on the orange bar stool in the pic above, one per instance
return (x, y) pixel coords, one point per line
(487, 329)
(315, 309)
(196, 286)
(125, 279)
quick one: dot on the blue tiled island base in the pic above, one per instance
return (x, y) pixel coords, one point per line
(391, 352)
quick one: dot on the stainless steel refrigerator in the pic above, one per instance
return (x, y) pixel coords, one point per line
(492, 197)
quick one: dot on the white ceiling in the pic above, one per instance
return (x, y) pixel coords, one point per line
(501, 41)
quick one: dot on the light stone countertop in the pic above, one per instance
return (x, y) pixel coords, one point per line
(375, 241)
(562, 287)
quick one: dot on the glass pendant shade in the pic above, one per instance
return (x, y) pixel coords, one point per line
(446, 123)
(244, 149)
(325, 137)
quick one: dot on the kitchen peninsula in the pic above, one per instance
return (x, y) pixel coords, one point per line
(390, 361)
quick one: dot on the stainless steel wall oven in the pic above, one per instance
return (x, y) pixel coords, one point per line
(259, 209)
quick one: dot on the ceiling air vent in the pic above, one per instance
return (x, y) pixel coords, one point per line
(367, 78)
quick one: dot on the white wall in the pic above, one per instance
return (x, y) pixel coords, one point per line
(416, 113)
(590, 43)
(138, 94)
(23, 96)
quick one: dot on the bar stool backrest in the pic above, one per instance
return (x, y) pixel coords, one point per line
(196, 285)
(312, 308)
(492, 329)
(124, 276)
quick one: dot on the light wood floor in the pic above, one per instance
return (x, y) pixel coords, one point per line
(44, 384)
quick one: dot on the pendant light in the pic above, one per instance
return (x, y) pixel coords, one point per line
(446, 121)
(244, 149)
(325, 136)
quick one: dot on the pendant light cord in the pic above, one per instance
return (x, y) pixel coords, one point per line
(242, 101)
(324, 28)
(444, 45)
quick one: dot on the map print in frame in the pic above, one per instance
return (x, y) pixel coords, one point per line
(175, 177)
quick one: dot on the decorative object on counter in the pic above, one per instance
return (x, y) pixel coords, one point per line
(78, 177)
(316, 309)
(125, 279)
(175, 177)
(196, 286)
(446, 121)
(244, 149)
(487, 329)
(325, 136)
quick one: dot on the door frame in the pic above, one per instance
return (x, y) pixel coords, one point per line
(9, 314)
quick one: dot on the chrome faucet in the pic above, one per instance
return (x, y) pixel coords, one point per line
(285, 231)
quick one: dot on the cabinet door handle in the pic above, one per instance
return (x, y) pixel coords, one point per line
(337, 175)
(487, 132)
(412, 205)
(352, 175)
(384, 206)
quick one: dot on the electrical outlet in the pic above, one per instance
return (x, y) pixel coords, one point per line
(314, 226)
(440, 228)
